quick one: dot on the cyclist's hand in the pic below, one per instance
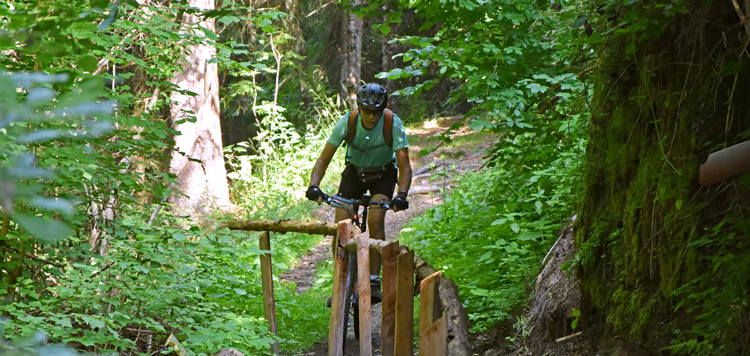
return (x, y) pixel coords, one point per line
(400, 203)
(314, 193)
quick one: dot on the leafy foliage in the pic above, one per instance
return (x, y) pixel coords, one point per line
(113, 281)
(502, 220)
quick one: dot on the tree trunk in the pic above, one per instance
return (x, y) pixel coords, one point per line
(387, 53)
(352, 53)
(203, 183)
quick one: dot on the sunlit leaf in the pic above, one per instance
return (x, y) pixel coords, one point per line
(515, 227)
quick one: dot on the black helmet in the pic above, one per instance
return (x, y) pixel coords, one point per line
(372, 96)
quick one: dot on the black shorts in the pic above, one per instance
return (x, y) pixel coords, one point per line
(352, 187)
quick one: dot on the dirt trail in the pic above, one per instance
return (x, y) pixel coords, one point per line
(431, 174)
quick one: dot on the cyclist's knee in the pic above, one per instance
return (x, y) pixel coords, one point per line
(379, 197)
(341, 214)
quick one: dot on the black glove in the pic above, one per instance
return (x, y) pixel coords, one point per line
(314, 193)
(400, 203)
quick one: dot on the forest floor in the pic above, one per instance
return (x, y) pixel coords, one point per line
(432, 174)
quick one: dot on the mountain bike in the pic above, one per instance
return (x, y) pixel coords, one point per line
(351, 298)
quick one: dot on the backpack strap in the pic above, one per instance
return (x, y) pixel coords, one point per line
(352, 127)
(388, 127)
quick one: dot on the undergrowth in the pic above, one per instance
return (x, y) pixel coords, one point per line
(268, 179)
(494, 229)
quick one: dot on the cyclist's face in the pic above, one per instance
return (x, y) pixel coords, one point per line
(370, 117)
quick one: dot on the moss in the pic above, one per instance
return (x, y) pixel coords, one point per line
(650, 240)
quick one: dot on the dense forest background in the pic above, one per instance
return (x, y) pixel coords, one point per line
(131, 130)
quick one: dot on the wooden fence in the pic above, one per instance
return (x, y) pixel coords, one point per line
(443, 325)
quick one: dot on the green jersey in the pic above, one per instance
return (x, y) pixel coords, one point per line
(368, 149)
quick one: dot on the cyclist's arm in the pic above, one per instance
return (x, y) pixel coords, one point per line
(404, 169)
(322, 164)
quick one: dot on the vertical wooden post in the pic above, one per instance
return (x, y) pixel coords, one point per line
(364, 292)
(429, 303)
(340, 269)
(433, 341)
(269, 304)
(388, 326)
(429, 312)
(405, 304)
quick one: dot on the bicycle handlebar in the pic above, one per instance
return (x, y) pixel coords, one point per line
(338, 201)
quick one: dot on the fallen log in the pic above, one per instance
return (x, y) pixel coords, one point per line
(425, 169)
(566, 338)
(309, 227)
(426, 189)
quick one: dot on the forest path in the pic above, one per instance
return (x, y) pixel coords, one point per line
(432, 173)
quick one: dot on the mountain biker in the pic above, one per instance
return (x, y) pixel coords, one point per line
(371, 164)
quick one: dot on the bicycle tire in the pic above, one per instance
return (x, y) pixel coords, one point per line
(356, 320)
(350, 293)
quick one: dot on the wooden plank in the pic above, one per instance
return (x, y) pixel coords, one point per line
(266, 273)
(405, 304)
(388, 287)
(363, 289)
(340, 269)
(458, 322)
(429, 301)
(433, 341)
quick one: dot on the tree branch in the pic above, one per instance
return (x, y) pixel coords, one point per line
(44, 261)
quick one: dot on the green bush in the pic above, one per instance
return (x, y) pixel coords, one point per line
(495, 228)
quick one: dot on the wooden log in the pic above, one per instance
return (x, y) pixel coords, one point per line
(424, 169)
(266, 272)
(404, 304)
(336, 332)
(458, 321)
(374, 245)
(433, 340)
(429, 301)
(363, 290)
(566, 338)
(309, 227)
(727, 163)
(426, 189)
(389, 254)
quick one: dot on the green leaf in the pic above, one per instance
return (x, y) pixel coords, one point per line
(53, 204)
(479, 292)
(64, 321)
(209, 34)
(515, 227)
(240, 291)
(47, 231)
(88, 63)
(94, 322)
(499, 222)
(529, 236)
(179, 236)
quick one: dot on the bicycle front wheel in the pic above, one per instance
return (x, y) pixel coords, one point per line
(351, 306)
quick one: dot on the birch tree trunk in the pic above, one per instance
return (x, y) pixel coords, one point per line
(204, 183)
(352, 53)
